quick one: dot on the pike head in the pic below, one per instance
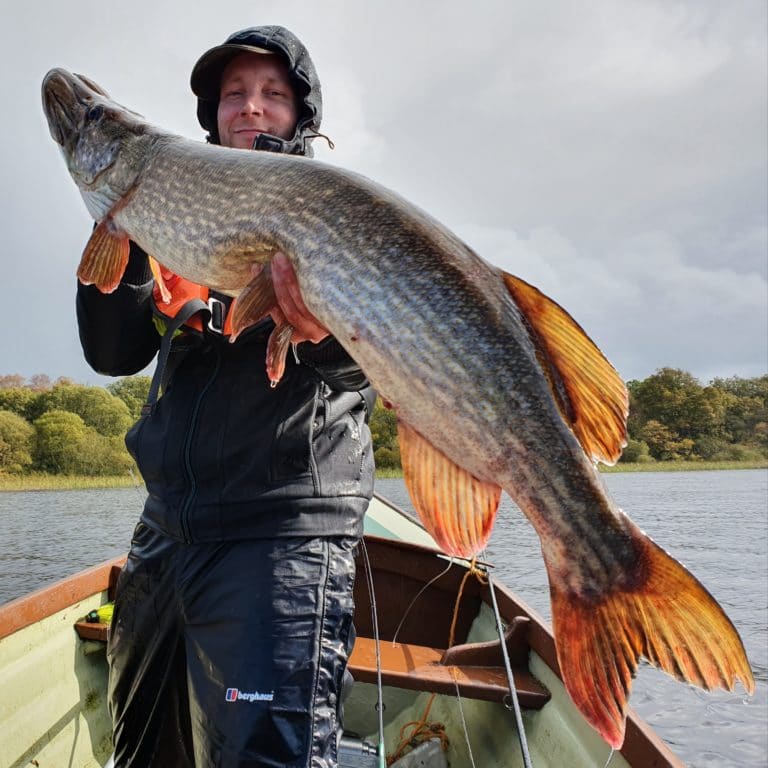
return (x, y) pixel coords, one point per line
(104, 144)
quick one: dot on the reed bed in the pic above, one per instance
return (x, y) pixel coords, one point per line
(43, 482)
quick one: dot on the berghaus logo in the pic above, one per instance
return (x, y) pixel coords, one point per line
(235, 694)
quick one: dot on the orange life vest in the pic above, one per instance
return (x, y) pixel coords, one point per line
(181, 291)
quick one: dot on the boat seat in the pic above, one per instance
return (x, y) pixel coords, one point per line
(477, 668)
(92, 631)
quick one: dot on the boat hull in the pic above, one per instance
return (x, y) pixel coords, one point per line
(53, 671)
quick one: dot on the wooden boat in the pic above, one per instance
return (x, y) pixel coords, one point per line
(53, 671)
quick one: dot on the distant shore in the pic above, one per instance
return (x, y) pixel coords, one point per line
(42, 482)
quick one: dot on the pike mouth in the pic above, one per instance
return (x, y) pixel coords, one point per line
(60, 106)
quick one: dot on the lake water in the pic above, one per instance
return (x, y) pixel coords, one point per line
(714, 522)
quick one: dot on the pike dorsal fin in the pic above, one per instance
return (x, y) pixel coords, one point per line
(104, 259)
(456, 508)
(589, 392)
(157, 273)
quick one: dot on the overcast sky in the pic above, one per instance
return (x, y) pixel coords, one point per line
(613, 153)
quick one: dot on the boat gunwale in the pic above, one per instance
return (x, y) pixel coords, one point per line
(46, 601)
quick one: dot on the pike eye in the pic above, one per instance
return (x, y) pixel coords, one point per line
(95, 112)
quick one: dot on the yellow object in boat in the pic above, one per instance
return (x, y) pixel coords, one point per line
(103, 614)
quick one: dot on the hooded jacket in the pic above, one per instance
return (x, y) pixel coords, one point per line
(223, 455)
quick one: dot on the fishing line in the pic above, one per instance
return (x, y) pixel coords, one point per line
(610, 757)
(418, 595)
(510, 679)
(375, 626)
(464, 722)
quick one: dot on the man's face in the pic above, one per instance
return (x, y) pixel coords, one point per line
(256, 96)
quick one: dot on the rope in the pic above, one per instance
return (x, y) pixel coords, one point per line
(473, 570)
(422, 731)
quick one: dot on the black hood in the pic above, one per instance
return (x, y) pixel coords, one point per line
(206, 78)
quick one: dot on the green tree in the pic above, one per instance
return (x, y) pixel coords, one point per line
(383, 423)
(101, 455)
(663, 443)
(746, 418)
(16, 442)
(636, 451)
(133, 391)
(675, 399)
(59, 435)
(65, 444)
(99, 409)
(20, 400)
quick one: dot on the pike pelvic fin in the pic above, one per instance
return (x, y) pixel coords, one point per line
(104, 259)
(254, 302)
(455, 507)
(590, 394)
(156, 269)
(665, 615)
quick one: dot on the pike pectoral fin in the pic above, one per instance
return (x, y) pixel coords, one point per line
(104, 259)
(154, 266)
(665, 615)
(456, 508)
(277, 351)
(254, 302)
(589, 392)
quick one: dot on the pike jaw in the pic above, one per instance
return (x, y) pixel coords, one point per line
(104, 144)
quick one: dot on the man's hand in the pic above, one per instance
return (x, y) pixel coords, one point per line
(290, 306)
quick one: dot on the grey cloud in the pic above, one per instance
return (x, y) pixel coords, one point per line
(613, 153)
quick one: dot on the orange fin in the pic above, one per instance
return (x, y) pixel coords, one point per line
(277, 351)
(165, 294)
(663, 614)
(253, 303)
(589, 392)
(104, 259)
(456, 508)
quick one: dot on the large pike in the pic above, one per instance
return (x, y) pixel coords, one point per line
(494, 385)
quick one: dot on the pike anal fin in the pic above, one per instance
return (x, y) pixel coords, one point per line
(104, 259)
(456, 508)
(666, 616)
(589, 393)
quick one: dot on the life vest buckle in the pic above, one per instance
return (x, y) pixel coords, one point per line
(218, 312)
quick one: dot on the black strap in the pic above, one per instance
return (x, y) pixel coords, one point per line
(187, 310)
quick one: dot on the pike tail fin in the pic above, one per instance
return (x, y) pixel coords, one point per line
(665, 615)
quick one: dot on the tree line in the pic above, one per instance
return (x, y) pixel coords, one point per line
(671, 417)
(67, 428)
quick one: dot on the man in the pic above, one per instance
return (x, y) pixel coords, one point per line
(233, 615)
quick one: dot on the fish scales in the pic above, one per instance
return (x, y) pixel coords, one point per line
(494, 385)
(432, 350)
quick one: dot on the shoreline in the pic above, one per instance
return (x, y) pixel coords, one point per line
(41, 482)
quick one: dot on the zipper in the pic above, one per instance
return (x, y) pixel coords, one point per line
(192, 481)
